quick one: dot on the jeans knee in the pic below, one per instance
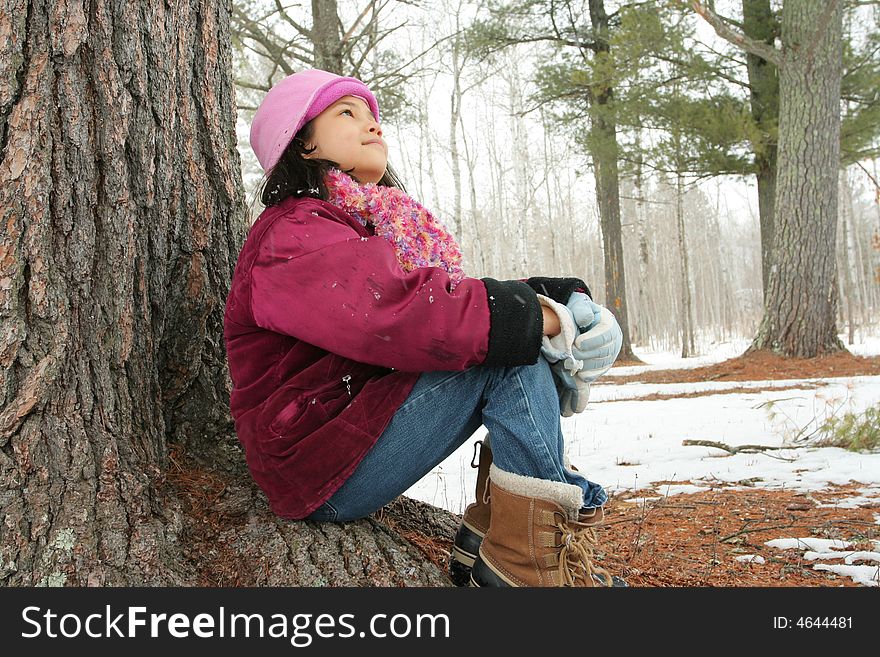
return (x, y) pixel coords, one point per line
(539, 372)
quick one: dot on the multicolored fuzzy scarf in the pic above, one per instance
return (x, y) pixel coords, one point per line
(418, 237)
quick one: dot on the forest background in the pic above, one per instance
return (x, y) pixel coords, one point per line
(487, 112)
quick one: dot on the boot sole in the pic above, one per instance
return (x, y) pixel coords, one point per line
(464, 553)
(482, 574)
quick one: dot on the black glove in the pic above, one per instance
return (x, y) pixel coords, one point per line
(558, 289)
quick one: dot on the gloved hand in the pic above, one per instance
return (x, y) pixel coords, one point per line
(557, 348)
(573, 392)
(598, 347)
(586, 313)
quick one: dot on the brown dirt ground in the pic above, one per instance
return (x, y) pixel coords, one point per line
(759, 366)
(694, 539)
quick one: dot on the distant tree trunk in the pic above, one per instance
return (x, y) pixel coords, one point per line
(327, 36)
(123, 215)
(848, 291)
(857, 250)
(760, 24)
(455, 99)
(645, 327)
(800, 309)
(499, 218)
(552, 179)
(603, 131)
(874, 255)
(851, 292)
(521, 165)
(476, 247)
(686, 321)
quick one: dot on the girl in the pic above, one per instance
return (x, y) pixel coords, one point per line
(361, 356)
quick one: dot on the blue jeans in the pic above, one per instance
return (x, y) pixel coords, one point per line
(519, 406)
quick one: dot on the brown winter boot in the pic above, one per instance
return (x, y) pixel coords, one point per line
(474, 522)
(537, 536)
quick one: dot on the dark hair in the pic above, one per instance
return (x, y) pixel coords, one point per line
(295, 175)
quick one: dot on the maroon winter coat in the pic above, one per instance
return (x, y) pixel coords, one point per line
(326, 335)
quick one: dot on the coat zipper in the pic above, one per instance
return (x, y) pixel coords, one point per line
(346, 379)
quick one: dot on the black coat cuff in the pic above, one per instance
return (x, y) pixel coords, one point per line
(558, 289)
(516, 324)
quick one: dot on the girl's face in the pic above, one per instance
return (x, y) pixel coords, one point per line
(347, 133)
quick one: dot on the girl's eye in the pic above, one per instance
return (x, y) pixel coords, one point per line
(347, 110)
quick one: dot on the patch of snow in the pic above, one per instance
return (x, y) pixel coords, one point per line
(869, 346)
(853, 502)
(750, 558)
(852, 557)
(809, 543)
(864, 575)
(641, 500)
(825, 549)
(669, 360)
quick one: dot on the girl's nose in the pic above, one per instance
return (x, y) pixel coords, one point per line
(376, 128)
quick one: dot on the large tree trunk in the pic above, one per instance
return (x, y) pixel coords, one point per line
(603, 132)
(800, 306)
(122, 215)
(760, 24)
(117, 186)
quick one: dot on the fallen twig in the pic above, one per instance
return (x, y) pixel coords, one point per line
(736, 449)
(756, 529)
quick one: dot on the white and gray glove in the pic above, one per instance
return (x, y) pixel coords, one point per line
(573, 392)
(598, 347)
(592, 352)
(557, 348)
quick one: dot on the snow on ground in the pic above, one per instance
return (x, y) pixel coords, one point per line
(624, 443)
(668, 360)
(750, 558)
(870, 346)
(621, 453)
(830, 549)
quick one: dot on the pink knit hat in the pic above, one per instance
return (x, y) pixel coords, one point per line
(293, 102)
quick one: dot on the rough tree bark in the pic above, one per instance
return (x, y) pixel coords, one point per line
(800, 309)
(122, 215)
(327, 36)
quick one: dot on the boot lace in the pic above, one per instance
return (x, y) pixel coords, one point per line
(576, 555)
